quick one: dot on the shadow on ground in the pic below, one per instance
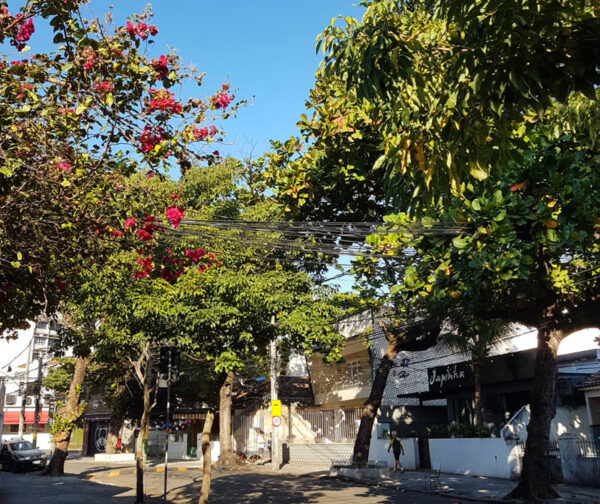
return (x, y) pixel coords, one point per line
(34, 488)
(274, 489)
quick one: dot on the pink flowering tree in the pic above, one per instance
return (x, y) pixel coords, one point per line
(76, 120)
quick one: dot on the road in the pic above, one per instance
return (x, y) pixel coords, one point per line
(246, 487)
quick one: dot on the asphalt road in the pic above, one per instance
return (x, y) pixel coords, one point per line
(246, 487)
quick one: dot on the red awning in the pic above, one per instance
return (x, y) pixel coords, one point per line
(12, 417)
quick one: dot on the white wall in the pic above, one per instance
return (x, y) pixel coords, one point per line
(571, 420)
(476, 457)
(378, 452)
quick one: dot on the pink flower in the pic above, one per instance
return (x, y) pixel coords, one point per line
(161, 65)
(175, 196)
(195, 255)
(117, 233)
(89, 62)
(212, 131)
(150, 138)
(149, 174)
(129, 224)
(24, 33)
(143, 234)
(104, 86)
(130, 29)
(220, 100)
(153, 30)
(64, 166)
(163, 100)
(174, 215)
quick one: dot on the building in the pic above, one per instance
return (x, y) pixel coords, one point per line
(25, 362)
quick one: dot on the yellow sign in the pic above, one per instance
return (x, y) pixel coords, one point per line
(276, 408)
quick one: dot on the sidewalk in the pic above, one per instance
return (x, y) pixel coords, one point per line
(474, 488)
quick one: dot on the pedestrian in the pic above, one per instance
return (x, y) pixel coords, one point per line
(398, 449)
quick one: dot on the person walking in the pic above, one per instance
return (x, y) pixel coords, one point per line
(398, 449)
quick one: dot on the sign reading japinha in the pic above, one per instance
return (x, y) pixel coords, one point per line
(443, 378)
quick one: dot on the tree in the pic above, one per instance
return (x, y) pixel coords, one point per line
(468, 115)
(74, 121)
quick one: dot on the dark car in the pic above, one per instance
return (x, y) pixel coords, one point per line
(18, 454)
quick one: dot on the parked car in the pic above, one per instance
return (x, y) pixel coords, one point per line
(19, 454)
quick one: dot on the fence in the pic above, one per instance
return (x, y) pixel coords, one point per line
(553, 449)
(588, 449)
(328, 426)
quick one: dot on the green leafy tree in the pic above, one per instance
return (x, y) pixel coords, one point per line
(484, 118)
(74, 121)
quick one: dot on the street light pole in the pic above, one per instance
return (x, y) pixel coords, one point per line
(275, 446)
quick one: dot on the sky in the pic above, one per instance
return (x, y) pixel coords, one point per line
(264, 48)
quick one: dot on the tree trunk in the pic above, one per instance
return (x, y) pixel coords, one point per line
(226, 457)
(68, 414)
(360, 456)
(535, 483)
(478, 410)
(143, 372)
(113, 433)
(206, 462)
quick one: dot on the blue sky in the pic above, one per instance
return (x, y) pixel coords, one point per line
(265, 48)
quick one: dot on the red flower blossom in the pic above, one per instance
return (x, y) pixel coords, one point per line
(64, 166)
(143, 234)
(142, 30)
(220, 100)
(174, 215)
(212, 131)
(163, 100)
(146, 264)
(161, 65)
(195, 255)
(150, 174)
(60, 285)
(89, 62)
(175, 196)
(104, 86)
(202, 268)
(23, 33)
(150, 138)
(129, 224)
(117, 233)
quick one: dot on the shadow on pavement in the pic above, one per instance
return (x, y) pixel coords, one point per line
(274, 489)
(28, 488)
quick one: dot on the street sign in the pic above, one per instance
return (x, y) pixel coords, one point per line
(275, 408)
(276, 421)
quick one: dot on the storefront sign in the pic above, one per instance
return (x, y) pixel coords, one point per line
(453, 376)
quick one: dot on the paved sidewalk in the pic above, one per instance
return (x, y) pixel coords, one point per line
(478, 488)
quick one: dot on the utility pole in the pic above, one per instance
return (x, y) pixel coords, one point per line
(24, 392)
(167, 422)
(38, 393)
(275, 443)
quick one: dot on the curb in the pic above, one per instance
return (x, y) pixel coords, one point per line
(115, 473)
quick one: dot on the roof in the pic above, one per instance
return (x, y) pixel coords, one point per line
(592, 381)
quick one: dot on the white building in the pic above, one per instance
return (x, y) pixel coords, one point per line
(20, 370)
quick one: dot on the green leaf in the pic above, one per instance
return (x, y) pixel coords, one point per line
(65, 183)
(459, 243)
(109, 100)
(15, 264)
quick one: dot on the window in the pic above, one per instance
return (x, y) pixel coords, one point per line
(14, 428)
(11, 399)
(354, 372)
(29, 401)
